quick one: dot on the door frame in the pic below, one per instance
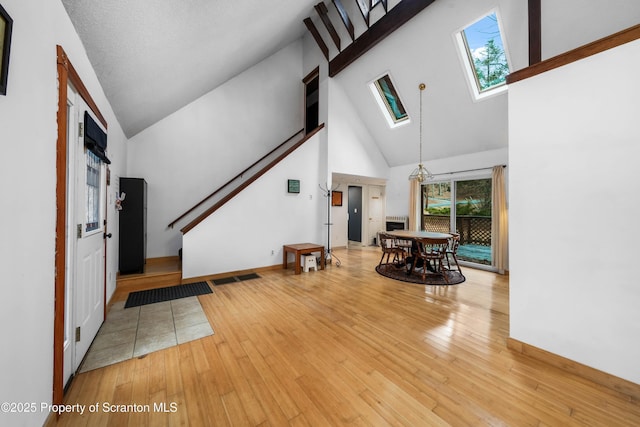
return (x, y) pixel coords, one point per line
(66, 74)
(311, 100)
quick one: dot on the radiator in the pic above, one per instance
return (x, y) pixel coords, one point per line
(397, 223)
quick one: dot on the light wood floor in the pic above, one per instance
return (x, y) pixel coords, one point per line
(346, 346)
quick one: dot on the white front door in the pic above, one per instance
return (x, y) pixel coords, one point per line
(85, 288)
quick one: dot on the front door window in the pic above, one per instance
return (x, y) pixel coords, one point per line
(93, 191)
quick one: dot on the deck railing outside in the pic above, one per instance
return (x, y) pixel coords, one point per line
(475, 235)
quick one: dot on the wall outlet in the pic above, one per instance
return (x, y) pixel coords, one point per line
(272, 252)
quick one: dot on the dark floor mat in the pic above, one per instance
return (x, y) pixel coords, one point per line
(224, 280)
(248, 276)
(234, 279)
(151, 296)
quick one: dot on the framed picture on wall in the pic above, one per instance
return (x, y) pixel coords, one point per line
(336, 198)
(293, 186)
(6, 26)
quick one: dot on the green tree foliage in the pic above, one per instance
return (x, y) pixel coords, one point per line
(491, 67)
(476, 195)
(472, 198)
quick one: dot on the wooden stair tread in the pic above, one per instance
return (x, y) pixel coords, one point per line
(159, 272)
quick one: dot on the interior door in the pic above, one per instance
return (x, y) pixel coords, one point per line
(89, 278)
(355, 214)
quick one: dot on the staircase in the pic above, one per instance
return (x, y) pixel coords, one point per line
(159, 273)
(241, 181)
(167, 271)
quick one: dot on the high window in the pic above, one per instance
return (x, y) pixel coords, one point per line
(385, 93)
(484, 57)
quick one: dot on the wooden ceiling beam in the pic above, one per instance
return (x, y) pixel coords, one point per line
(391, 21)
(535, 32)
(316, 35)
(323, 12)
(374, 3)
(345, 18)
(585, 51)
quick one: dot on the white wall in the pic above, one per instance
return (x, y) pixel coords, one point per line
(398, 184)
(339, 220)
(28, 134)
(569, 24)
(352, 151)
(28, 212)
(574, 181)
(192, 152)
(352, 148)
(249, 231)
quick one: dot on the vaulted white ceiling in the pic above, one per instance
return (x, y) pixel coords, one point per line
(424, 51)
(152, 57)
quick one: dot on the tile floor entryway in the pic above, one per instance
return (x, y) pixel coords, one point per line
(136, 331)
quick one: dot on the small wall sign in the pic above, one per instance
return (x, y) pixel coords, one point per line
(293, 185)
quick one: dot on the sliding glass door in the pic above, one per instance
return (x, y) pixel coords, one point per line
(464, 207)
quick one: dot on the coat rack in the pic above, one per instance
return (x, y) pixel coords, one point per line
(327, 193)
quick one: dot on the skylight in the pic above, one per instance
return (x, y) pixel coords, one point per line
(389, 101)
(484, 55)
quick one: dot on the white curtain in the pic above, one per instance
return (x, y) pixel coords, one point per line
(499, 224)
(414, 205)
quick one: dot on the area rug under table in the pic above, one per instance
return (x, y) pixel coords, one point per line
(400, 273)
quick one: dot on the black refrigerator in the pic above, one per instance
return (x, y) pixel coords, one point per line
(133, 226)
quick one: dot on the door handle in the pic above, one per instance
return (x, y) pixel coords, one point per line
(105, 235)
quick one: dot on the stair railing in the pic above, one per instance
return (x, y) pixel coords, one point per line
(244, 184)
(226, 184)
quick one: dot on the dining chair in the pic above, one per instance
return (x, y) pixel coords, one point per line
(432, 250)
(389, 246)
(452, 251)
(407, 247)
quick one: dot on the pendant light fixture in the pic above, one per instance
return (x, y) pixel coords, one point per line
(421, 174)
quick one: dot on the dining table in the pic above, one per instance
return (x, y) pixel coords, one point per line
(412, 235)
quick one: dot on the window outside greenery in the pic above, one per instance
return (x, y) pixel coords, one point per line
(473, 197)
(471, 217)
(485, 51)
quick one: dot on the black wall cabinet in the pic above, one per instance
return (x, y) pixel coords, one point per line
(133, 226)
